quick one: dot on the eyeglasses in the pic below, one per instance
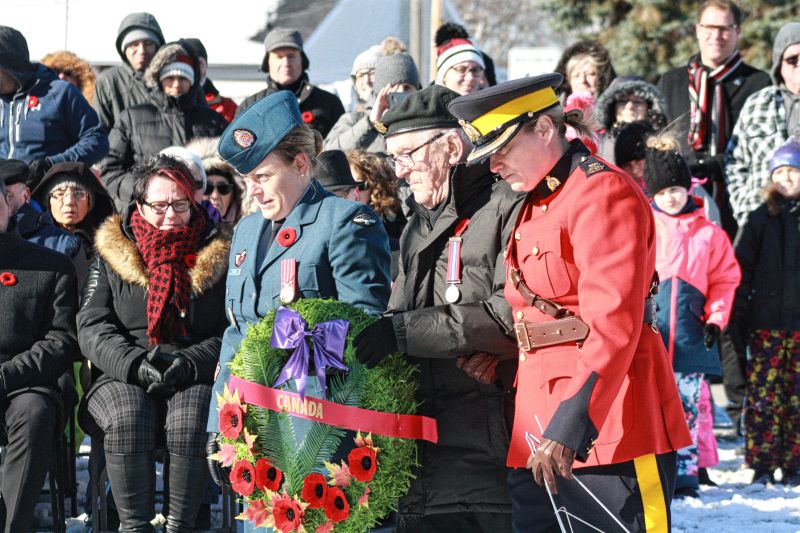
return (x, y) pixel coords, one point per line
(475, 70)
(179, 206)
(223, 188)
(792, 60)
(369, 73)
(632, 99)
(405, 160)
(61, 194)
(708, 29)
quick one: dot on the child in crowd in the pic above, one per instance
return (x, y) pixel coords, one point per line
(698, 272)
(767, 318)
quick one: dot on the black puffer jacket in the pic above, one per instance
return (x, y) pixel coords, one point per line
(466, 470)
(119, 88)
(768, 250)
(112, 322)
(144, 130)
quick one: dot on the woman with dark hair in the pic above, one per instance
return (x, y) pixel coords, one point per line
(380, 191)
(151, 323)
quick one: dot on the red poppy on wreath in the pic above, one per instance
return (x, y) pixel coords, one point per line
(190, 260)
(243, 478)
(362, 463)
(287, 514)
(231, 419)
(33, 102)
(8, 279)
(336, 506)
(286, 237)
(307, 116)
(268, 477)
(314, 490)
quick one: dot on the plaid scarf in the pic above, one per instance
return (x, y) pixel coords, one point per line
(705, 101)
(168, 255)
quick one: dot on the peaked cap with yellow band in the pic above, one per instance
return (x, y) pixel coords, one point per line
(491, 117)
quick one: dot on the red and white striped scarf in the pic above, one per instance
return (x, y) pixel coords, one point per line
(702, 103)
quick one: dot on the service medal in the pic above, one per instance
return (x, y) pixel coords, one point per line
(452, 294)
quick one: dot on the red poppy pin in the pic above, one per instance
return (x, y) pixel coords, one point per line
(307, 116)
(461, 227)
(286, 237)
(190, 260)
(239, 258)
(33, 102)
(8, 279)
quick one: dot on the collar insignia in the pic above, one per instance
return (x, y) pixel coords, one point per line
(552, 183)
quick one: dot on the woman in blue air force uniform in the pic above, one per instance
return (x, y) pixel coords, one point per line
(335, 247)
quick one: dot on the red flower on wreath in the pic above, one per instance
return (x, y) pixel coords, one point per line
(307, 116)
(268, 477)
(8, 279)
(363, 463)
(314, 490)
(336, 506)
(190, 260)
(243, 477)
(231, 420)
(33, 102)
(287, 514)
(286, 237)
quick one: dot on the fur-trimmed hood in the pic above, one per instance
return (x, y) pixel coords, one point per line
(605, 110)
(166, 55)
(122, 256)
(64, 61)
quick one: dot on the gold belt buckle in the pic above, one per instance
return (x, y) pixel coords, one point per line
(523, 340)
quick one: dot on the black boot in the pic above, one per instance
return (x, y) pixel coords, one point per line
(187, 483)
(132, 480)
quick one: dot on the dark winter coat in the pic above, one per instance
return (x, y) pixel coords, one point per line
(112, 322)
(320, 109)
(465, 470)
(119, 88)
(144, 130)
(768, 250)
(37, 324)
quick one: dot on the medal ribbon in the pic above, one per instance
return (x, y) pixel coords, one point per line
(454, 253)
(288, 276)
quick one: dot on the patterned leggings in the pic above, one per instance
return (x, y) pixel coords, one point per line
(689, 389)
(772, 401)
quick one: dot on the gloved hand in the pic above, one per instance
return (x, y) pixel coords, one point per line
(710, 334)
(550, 460)
(180, 372)
(218, 472)
(375, 342)
(147, 375)
(36, 171)
(480, 366)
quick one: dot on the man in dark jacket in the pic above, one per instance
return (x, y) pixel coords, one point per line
(719, 72)
(171, 116)
(39, 297)
(138, 39)
(221, 104)
(43, 120)
(286, 64)
(447, 311)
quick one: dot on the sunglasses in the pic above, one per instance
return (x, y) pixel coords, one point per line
(223, 188)
(793, 60)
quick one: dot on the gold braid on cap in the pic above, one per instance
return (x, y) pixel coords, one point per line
(472, 132)
(380, 126)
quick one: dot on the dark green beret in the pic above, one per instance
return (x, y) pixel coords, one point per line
(13, 171)
(422, 110)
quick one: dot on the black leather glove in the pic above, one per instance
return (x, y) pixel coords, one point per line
(710, 334)
(550, 460)
(148, 375)
(36, 171)
(218, 472)
(180, 372)
(481, 366)
(375, 342)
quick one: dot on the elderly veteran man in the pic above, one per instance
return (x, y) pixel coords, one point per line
(594, 381)
(447, 305)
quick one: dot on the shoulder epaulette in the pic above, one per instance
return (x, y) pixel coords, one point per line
(591, 165)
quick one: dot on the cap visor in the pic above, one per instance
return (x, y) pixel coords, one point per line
(479, 154)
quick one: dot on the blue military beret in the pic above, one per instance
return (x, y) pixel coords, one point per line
(250, 138)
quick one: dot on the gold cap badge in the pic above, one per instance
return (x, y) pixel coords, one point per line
(471, 131)
(378, 125)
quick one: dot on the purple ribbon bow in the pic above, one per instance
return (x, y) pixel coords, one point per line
(328, 338)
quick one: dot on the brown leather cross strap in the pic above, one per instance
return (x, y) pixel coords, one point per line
(544, 305)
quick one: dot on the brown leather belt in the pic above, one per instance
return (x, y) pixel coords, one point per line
(532, 335)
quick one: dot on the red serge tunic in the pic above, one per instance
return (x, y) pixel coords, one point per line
(589, 245)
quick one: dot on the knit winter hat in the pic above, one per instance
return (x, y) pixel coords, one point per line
(664, 169)
(453, 52)
(283, 38)
(139, 34)
(394, 69)
(366, 59)
(14, 55)
(787, 155)
(182, 66)
(631, 142)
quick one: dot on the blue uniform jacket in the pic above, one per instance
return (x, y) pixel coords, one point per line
(342, 252)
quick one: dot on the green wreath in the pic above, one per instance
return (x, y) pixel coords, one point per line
(293, 486)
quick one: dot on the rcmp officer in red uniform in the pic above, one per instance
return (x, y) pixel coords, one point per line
(594, 384)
